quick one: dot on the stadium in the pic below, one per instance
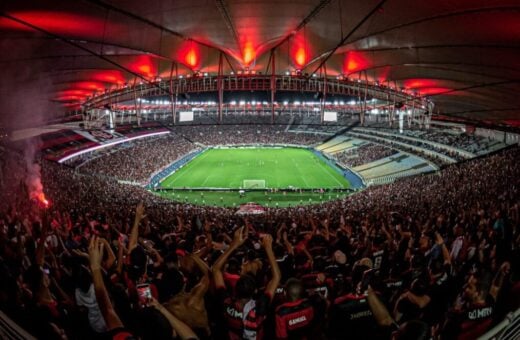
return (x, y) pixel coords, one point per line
(231, 169)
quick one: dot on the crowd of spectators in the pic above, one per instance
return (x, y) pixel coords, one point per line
(448, 141)
(136, 161)
(456, 139)
(140, 159)
(410, 147)
(434, 255)
(245, 134)
(363, 154)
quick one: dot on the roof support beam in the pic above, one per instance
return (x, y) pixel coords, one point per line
(315, 11)
(344, 40)
(83, 48)
(222, 8)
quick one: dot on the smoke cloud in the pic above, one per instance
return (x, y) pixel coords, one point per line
(33, 178)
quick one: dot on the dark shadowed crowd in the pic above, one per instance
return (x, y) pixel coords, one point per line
(430, 256)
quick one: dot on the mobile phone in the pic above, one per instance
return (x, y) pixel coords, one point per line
(145, 294)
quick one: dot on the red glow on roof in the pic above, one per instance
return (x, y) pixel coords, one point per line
(418, 83)
(428, 91)
(383, 74)
(69, 98)
(248, 53)
(88, 85)
(301, 57)
(191, 58)
(354, 62)
(74, 92)
(57, 22)
(109, 76)
(144, 66)
(299, 50)
(189, 54)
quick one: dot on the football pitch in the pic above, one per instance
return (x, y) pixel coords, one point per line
(255, 168)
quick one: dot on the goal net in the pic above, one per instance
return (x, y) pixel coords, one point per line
(253, 184)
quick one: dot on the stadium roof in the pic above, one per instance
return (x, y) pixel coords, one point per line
(463, 54)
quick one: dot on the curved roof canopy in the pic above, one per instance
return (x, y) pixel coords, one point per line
(464, 55)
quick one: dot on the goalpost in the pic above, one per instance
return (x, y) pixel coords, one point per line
(253, 184)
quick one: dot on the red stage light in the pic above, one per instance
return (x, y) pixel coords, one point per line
(248, 54)
(144, 66)
(189, 54)
(191, 58)
(301, 57)
(354, 62)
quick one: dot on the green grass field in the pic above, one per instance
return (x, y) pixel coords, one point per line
(234, 168)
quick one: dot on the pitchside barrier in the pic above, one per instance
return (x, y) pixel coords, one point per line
(273, 190)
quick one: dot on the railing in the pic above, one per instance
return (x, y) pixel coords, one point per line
(202, 84)
(463, 153)
(9, 330)
(509, 328)
(405, 147)
(387, 179)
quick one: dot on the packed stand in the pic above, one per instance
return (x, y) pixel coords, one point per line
(418, 143)
(363, 154)
(463, 141)
(434, 255)
(139, 161)
(245, 134)
(407, 147)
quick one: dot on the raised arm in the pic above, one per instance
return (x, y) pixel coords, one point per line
(239, 238)
(267, 243)
(40, 249)
(111, 257)
(95, 251)
(202, 287)
(445, 252)
(498, 281)
(288, 245)
(180, 329)
(134, 233)
(378, 309)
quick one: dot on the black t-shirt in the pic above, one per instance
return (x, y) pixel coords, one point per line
(350, 315)
(318, 283)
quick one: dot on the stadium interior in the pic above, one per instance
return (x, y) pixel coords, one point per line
(260, 169)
